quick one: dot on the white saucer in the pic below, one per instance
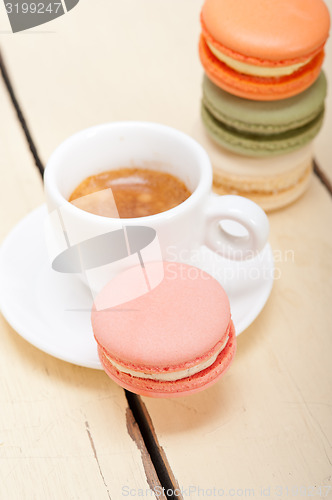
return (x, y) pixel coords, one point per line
(52, 310)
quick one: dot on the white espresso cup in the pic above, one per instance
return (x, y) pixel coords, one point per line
(186, 227)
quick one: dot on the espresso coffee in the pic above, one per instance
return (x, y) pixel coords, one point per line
(137, 192)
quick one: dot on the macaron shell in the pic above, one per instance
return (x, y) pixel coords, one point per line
(245, 185)
(182, 387)
(172, 326)
(260, 145)
(258, 88)
(265, 117)
(274, 200)
(272, 182)
(283, 31)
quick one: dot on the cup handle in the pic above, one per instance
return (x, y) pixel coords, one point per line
(245, 212)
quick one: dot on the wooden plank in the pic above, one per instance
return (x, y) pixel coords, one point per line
(117, 61)
(21, 185)
(267, 424)
(63, 429)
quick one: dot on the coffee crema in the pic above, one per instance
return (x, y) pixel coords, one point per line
(137, 192)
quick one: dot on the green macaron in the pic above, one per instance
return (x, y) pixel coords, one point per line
(263, 128)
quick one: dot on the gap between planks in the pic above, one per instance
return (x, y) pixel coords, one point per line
(20, 116)
(323, 178)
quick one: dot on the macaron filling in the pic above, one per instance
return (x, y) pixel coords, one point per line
(253, 70)
(171, 376)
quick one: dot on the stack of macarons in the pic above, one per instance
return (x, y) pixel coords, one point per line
(263, 94)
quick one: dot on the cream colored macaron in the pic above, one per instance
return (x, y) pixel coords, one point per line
(272, 182)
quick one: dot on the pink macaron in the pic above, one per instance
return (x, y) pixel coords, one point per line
(174, 339)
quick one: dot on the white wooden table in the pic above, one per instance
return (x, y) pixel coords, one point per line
(67, 432)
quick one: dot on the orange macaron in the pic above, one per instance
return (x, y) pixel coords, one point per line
(263, 49)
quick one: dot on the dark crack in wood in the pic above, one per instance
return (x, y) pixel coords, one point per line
(20, 116)
(156, 452)
(323, 177)
(150, 472)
